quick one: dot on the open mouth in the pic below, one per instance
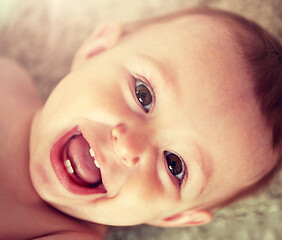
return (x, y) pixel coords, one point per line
(75, 164)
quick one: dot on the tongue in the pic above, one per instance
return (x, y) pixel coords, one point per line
(81, 160)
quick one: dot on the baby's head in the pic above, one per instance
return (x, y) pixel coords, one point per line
(183, 114)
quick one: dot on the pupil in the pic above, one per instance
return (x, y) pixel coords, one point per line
(174, 164)
(143, 94)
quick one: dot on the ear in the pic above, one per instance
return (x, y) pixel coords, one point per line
(103, 38)
(186, 218)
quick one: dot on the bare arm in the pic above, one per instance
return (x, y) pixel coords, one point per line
(92, 232)
(65, 235)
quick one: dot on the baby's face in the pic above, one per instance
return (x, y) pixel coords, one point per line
(172, 121)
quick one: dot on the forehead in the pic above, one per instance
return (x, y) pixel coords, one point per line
(199, 56)
(195, 24)
(190, 42)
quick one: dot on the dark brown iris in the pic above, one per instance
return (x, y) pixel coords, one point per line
(174, 163)
(144, 95)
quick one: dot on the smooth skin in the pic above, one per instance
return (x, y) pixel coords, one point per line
(203, 110)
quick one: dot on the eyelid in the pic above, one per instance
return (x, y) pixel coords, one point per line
(186, 175)
(145, 80)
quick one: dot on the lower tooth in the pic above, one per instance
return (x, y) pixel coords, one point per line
(68, 166)
(70, 170)
(67, 163)
(96, 163)
(92, 154)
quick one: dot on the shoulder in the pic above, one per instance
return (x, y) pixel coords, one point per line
(18, 96)
(70, 235)
(38, 220)
(62, 227)
(16, 86)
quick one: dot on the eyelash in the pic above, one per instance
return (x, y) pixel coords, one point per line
(185, 177)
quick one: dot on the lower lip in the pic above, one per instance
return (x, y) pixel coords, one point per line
(59, 169)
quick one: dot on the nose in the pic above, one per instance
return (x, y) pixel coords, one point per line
(129, 144)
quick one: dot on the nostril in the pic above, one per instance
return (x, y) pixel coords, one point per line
(130, 162)
(117, 131)
(135, 160)
(114, 136)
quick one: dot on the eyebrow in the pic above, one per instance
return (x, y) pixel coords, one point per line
(206, 165)
(165, 71)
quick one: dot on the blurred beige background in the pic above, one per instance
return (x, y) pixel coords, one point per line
(44, 34)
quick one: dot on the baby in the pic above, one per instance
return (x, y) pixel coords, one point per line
(158, 122)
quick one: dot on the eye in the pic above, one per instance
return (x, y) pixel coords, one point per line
(144, 94)
(176, 166)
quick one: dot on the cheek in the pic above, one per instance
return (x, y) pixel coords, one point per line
(40, 173)
(144, 194)
(96, 94)
(41, 181)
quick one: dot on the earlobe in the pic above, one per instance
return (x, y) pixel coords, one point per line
(186, 218)
(103, 38)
